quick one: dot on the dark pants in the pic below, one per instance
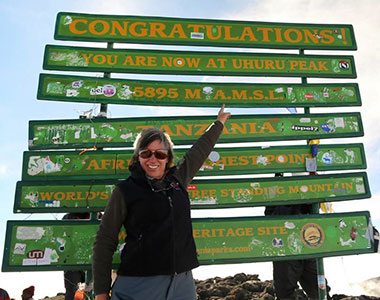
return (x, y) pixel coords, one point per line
(287, 274)
(161, 287)
(72, 278)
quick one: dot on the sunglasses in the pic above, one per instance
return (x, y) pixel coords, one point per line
(159, 154)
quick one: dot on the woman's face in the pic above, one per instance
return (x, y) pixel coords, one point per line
(153, 166)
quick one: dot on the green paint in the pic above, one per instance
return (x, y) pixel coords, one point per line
(277, 191)
(202, 32)
(62, 196)
(113, 164)
(82, 133)
(196, 63)
(164, 93)
(58, 245)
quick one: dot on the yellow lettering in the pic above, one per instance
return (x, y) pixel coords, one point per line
(177, 31)
(193, 94)
(138, 29)
(73, 26)
(94, 27)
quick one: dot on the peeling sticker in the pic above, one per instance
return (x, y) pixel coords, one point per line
(289, 225)
(29, 233)
(339, 122)
(19, 249)
(305, 120)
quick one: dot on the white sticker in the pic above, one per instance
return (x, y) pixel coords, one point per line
(305, 120)
(197, 35)
(96, 91)
(339, 122)
(289, 225)
(311, 164)
(214, 156)
(43, 262)
(29, 233)
(19, 248)
(360, 188)
(29, 262)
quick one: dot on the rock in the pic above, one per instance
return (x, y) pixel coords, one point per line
(245, 287)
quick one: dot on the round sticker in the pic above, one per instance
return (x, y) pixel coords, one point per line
(344, 65)
(312, 235)
(109, 90)
(214, 156)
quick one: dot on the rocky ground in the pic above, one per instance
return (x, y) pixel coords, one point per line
(242, 287)
(248, 287)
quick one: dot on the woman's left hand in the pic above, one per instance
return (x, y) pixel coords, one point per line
(223, 116)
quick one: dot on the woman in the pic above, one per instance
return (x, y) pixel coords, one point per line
(153, 206)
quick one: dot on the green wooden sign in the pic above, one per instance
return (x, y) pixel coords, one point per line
(63, 196)
(218, 193)
(102, 132)
(202, 32)
(66, 245)
(175, 93)
(113, 164)
(196, 63)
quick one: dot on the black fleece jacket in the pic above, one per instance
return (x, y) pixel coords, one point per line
(159, 232)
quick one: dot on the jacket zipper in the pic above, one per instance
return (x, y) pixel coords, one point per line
(173, 268)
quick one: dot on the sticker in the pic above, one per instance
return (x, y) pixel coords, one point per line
(262, 160)
(29, 262)
(339, 122)
(305, 120)
(179, 61)
(289, 225)
(29, 233)
(279, 90)
(19, 249)
(342, 224)
(67, 20)
(304, 128)
(214, 156)
(312, 235)
(36, 253)
(344, 65)
(353, 233)
(72, 93)
(96, 91)
(350, 156)
(360, 188)
(349, 242)
(327, 158)
(326, 128)
(197, 35)
(192, 187)
(311, 164)
(309, 96)
(126, 91)
(77, 84)
(277, 242)
(321, 282)
(33, 198)
(109, 90)
(294, 243)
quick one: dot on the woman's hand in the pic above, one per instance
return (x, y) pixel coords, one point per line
(223, 116)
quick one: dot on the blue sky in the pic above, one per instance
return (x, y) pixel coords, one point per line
(27, 26)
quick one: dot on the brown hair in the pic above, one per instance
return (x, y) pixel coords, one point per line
(147, 136)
